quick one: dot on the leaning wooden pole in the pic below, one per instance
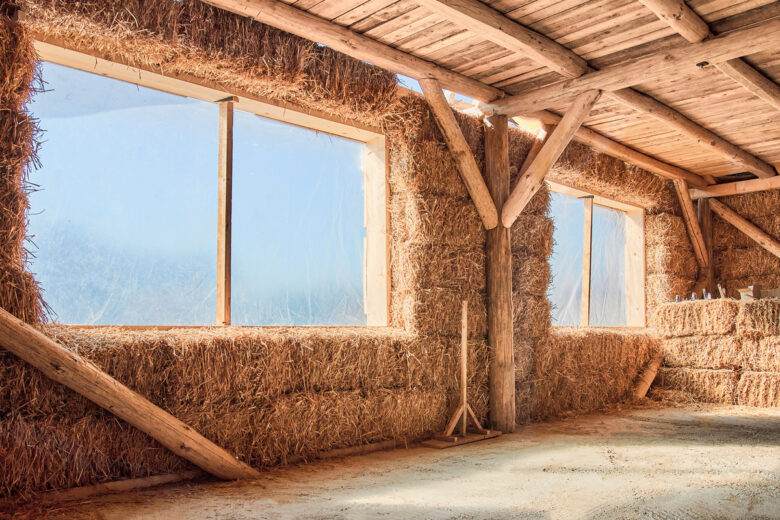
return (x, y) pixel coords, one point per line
(81, 376)
(499, 279)
(763, 238)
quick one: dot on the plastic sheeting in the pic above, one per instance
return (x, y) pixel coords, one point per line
(607, 287)
(125, 222)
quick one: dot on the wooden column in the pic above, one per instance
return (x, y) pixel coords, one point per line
(499, 275)
(587, 241)
(224, 210)
(69, 369)
(705, 221)
(735, 219)
(692, 223)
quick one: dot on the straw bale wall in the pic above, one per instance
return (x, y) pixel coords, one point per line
(721, 351)
(739, 261)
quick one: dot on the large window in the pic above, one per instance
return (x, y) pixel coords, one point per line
(125, 222)
(597, 261)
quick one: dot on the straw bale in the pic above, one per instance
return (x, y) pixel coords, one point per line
(663, 288)
(760, 389)
(194, 39)
(754, 205)
(436, 220)
(532, 234)
(709, 386)
(530, 275)
(753, 262)
(431, 265)
(425, 168)
(580, 167)
(531, 316)
(666, 230)
(759, 317)
(761, 354)
(580, 370)
(690, 318)
(703, 352)
(436, 310)
(726, 236)
(524, 352)
(664, 260)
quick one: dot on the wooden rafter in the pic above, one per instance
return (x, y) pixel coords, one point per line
(692, 224)
(464, 158)
(751, 230)
(552, 149)
(306, 25)
(737, 188)
(647, 68)
(680, 17)
(636, 100)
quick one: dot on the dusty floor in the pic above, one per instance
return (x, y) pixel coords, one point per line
(647, 463)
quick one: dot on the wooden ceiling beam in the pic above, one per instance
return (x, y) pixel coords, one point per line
(620, 151)
(736, 188)
(647, 68)
(461, 152)
(751, 230)
(680, 17)
(487, 26)
(306, 25)
(551, 150)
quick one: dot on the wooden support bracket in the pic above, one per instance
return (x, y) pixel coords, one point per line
(464, 158)
(692, 224)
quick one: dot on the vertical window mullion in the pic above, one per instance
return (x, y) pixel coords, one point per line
(587, 242)
(224, 209)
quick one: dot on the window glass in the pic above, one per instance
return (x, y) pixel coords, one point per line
(124, 222)
(608, 280)
(565, 288)
(298, 225)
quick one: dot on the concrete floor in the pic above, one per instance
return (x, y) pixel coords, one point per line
(644, 463)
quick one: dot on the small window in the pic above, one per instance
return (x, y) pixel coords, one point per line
(597, 262)
(125, 223)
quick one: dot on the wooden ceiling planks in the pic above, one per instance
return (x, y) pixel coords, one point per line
(605, 32)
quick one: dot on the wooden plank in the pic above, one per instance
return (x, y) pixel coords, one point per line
(751, 230)
(692, 224)
(608, 146)
(311, 27)
(473, 15)
(635, 268)
(756, 83)
(376, 282)
(587, 244)
(464, 364)
(690, 26)
(736, 188)
(499, 279)
(69, 369)
(698, 133)
(459, 148)
(648, 68)
(552, 149)
(224, 210)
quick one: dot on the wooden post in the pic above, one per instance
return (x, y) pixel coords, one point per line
(464, 352)
(224, 210)
(461, 153)
(499, 278)
(68, 368)
(553, 147)
(705, 220)
(732, 217)
(587, 241)
(692, 223)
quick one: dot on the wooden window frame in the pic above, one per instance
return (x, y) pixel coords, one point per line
(376, 276)
(634, 254)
